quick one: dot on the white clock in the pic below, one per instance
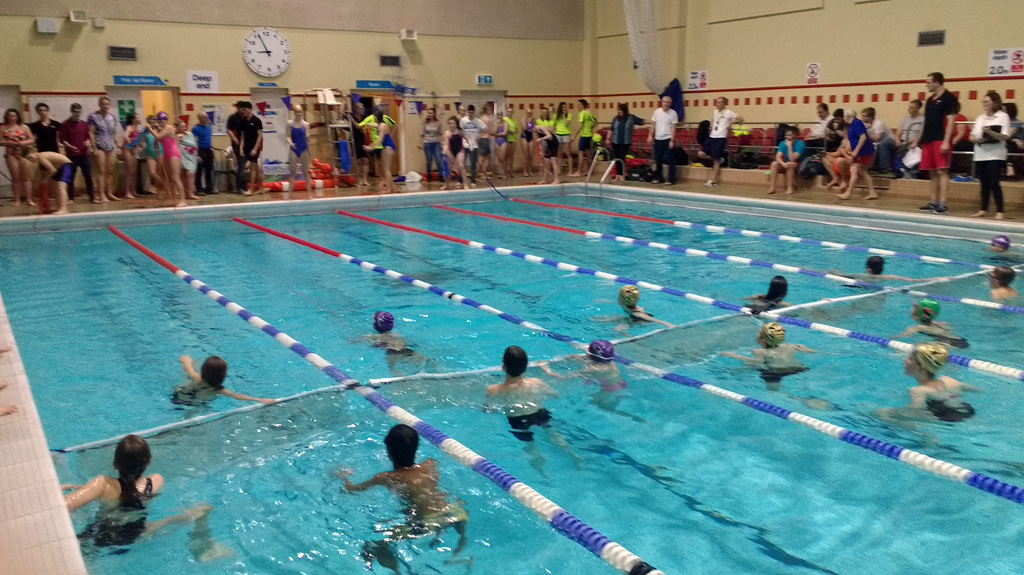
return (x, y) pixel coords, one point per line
(266, 52)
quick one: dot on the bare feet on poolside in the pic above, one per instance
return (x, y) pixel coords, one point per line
(871, 197)
(979, 214)
(180, 205)
(789, 192)
(771, 191)
(844, 196)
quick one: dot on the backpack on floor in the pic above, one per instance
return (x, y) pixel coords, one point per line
(811, 166)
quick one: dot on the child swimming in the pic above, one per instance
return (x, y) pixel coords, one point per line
(427, 509)
(776, 358)
(628, 298)
(934, 397)
(999, 281)
(1000, 248)
(874, 268)
(599, 370)
(777, 290)
(924, 313)
(122, 517)
(207, 384)
(397, 351)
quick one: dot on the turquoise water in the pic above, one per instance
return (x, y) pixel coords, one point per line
(701, 486)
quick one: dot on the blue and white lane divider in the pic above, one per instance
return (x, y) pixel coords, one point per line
(766, 235)
(739, 260)
(837, 331)
(919, 460)
(562, 521)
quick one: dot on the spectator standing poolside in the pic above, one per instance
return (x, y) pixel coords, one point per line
(251, 139)
(621, 135)
(203, 132)
(586, 134)
(528, 143)
(862, 150)
(714, 145)
(661, 135)
(45, 130)
(471, 127)
(936, 140)
(990, 133)
(881, 136)
(189, 158)
(1015, 145)
(430, 132)
(104, 138)
(563, 133)
(130, 154)
(234, 127)
(787, 159)
(909, 130)
(818, 134)
(16, 138)
(74, 136)
(512, 127)
(486, 140)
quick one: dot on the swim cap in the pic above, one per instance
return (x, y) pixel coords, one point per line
(925, 309)
(773, 334)
(1001, 242)
(931, 356)
(162, 116)
(601, 350)
(383, 321)
(628, 296)
(596, 138)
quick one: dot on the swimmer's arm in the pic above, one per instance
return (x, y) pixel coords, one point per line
(546, 369)
(186, 362)
(642, 315)
(86, 494)
(743, 358)
(803, 348)
(908, 332)
(548, 390)
(918, 397)
(241, 397)
(344, 474)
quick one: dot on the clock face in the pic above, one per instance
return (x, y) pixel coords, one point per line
(266, 52)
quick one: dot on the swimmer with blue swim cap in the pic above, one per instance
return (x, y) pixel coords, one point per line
(600, 370)
(775, 359)
(924, 313)
(1000, 247)
(397, 351)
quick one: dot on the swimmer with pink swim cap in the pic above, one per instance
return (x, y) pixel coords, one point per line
(599, 370)
(397, 351)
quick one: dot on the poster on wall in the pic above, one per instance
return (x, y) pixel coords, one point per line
(1006, 62)
(218, 119)
(202, 81)
(274, 115)
(697, 80)
(812, 74)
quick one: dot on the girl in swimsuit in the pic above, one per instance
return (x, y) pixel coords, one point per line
(628, 297)
(189, 150)
(130, 155)
(777, 290)
(104, 136)
(17, 139)
(149, 149)
(171, 162)
(122, 518)
(386, 184)
(431, 135)
(528, 144)
(298, 138)
(600, 370)
(513, 139)
(452, 143)
(548, 145)
(935, 397)
(501, 143)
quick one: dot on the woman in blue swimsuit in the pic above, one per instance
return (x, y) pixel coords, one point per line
(386, 184)
(298, 144)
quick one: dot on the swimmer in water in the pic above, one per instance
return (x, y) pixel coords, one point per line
(122, 516)
(427, 509)
(924, 313)
(628, 297)
(777, 290)
(397, 351)
(935, 397)
(207, 384)
(874, 273)
(600, 370)
(521, 399)
(1000, 248)
(999, 281)
(776, 358)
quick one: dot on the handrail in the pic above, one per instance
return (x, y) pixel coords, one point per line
(597, 155)
(604, 178)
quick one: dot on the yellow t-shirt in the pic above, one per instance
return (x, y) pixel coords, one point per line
(371, 123)
(512, 130)
(562, 126)
(587, 120)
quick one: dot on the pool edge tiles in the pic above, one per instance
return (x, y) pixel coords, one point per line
(156, 216)
(36, 534)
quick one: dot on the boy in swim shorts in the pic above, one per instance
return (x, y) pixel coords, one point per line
(426, 506)
(56, 167)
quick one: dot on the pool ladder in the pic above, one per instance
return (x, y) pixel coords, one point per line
(604, 178)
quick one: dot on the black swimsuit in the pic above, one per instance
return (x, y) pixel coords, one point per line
(521, 423)
(122, 525)
(951, 413)
(455, 144)
(770, 375)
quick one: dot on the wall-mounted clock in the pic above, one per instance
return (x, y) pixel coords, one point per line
(266, 52)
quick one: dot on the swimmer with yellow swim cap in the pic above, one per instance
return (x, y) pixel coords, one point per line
(628, 298)
(776, 358)
(935, 397)
(924, 313)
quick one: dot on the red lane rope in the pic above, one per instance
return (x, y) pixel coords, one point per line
(513, 220)
(148, 252)
(405, 228)
(600, 212)
(285, 236)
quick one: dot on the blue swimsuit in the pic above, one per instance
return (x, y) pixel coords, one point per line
(299, 140)
(388, 142)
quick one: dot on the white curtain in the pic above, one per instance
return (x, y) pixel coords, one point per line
(643, 41)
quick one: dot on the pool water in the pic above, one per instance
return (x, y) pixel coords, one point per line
(700, 485)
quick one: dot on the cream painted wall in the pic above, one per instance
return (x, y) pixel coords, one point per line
(75, 60)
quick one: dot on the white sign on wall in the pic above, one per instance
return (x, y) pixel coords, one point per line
(1006, 62)
(812, 74)
(697, 80)
(202, 81)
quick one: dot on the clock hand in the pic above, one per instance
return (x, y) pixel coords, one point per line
(265, 50)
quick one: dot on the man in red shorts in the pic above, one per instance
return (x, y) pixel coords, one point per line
(936, 149)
